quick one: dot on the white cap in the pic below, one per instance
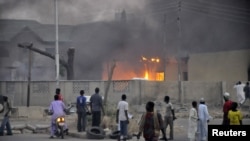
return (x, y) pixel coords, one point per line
(226, 94)
(202, 100)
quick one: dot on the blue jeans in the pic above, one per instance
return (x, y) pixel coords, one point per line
(124, 128)
(5, 122)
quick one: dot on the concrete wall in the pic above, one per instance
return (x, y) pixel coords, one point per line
(225, 66)
(138, 91)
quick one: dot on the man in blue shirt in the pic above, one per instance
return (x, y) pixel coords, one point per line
(81, 111)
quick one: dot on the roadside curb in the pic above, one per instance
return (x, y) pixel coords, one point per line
(81, 135)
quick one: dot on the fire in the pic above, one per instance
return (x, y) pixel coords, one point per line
(150, 67)
(146, 75)
(147, 68)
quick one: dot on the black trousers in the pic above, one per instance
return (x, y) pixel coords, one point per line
(81, 121)
(96, 118)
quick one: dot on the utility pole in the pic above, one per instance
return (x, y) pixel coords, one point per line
(27, 46)
(56, 44)
(179, 56)
(29, 79)
(165, 46)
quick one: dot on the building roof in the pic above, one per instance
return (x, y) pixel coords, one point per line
(46, 32)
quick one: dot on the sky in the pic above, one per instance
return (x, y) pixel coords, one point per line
(69, 11)
(204, 26)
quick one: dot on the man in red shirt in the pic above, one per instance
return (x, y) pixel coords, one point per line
(226, 107)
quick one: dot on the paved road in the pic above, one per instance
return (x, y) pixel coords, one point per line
(33, 137)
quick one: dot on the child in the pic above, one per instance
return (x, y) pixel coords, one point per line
(235, 115)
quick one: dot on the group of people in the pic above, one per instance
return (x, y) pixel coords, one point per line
(94, 108)
(152, 120)
(199, 117)
(231, 114)
(57, 108)
(151, 124)
(198, 121)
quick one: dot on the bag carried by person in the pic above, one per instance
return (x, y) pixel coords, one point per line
(1, 103)
(156, 125)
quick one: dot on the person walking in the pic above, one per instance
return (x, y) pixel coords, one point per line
(169, 117)
(239, 87)
(151, 124)
(193, 122)
(234, 115)
(96, 106)
(122, 117)
(204, 117)
(81, 107)
(4, 115)
(226, 107)
(247, 91)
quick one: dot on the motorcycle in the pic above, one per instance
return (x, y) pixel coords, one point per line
(60, 123)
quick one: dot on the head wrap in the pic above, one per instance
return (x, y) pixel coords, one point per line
(202, 100)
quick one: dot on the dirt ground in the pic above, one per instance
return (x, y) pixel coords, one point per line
(182, 112)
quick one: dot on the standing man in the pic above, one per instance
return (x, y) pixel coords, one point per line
(96, 105)
(4, 115)
(203, 120)
(81, 112)
(226, 107)
(247, 91)
(122, 117)
(151, 124)
(169, 117)
(58, 92)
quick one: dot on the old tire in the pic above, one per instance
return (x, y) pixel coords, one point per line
(95, 133)
(115, 134)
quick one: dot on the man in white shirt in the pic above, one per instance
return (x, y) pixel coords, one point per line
(204, 117)
(240, 92)
(122, 117)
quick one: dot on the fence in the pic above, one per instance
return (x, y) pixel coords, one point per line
(138, 91)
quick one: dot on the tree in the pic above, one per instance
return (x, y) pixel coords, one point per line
(69, 65)
(110, 75)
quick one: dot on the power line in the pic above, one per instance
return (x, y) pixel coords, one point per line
(217, 8)
(214, 16)
(225, 6)
(160, 5)
(161, 11)
(216, 11)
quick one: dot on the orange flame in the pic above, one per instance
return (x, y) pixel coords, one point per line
(146, 75)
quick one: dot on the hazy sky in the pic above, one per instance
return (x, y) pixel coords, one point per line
(205, 26)
(70, 11)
